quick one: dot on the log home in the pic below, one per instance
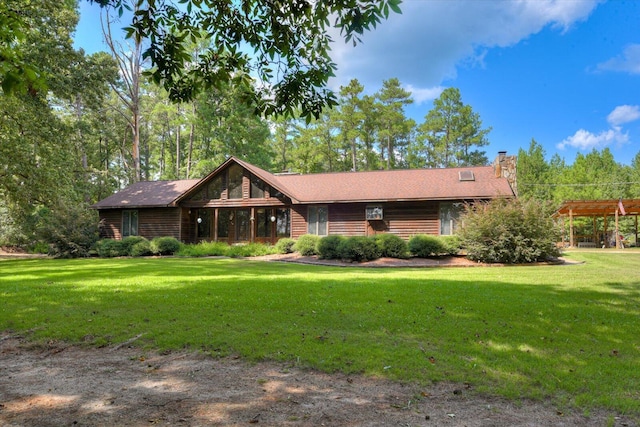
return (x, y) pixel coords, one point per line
(239, 202)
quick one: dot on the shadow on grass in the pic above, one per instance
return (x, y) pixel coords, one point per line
(517, 332)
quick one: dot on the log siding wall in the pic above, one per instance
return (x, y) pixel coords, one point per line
(404, 219)
(152, 222)
(111, 224)
(298, 221)
(159, 222)
(347, 220)
(401, 219)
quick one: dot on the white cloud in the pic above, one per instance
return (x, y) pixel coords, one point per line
(585, 140)
(628, 62)
(421, 95)
(623, 114)
(426, 43)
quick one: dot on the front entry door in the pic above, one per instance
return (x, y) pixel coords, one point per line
(243, 225)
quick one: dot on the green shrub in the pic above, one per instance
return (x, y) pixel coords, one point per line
(203, 249)
(425, 245)
(307, 244)
(509, 231)
(110, 248)
(285, 246)
(129, 241)
(165, 245)
(142, 248)
(391, 246)
(250, 250)
(359, 248)
(328, 247)
(69, 231)
(39, 248)
(451, 245)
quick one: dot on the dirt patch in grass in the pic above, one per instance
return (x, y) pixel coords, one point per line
(55, 384)
(12, 252)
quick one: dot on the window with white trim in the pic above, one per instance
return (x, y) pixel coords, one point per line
(129, 223)
(317, 220)
(449, 217)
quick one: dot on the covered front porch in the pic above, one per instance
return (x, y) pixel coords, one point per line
(240, 224)
(605, 228)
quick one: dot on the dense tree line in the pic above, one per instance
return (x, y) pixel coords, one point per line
(591, 176)
(74, 128)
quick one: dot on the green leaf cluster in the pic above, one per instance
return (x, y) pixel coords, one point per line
(509, 231)
(591, 176)
(283, 44)
(426, 245)
(358, 249)
(307, 244)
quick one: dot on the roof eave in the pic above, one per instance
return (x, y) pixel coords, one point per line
(389, 200)
(131, 207)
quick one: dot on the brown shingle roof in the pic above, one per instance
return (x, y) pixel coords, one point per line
(147, 194)
(396, 185)
(342, 187)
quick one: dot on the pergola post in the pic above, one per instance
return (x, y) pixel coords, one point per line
(594, 209)
(618, 241)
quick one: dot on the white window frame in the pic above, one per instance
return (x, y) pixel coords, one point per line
(127, 215)
(449, 215)
(314, 223)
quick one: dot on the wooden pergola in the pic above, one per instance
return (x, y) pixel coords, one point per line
(595, 209)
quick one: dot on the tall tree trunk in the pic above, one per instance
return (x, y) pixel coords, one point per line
(178, 152)
(192, 131)
(389, 151)
(129, 62)
(162, 150)
(354, 164)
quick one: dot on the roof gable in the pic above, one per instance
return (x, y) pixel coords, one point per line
(269, 178)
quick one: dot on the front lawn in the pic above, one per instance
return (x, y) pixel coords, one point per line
(568, 333)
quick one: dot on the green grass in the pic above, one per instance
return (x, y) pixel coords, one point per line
(567, 333)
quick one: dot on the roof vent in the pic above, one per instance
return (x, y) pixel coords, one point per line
(466, 176)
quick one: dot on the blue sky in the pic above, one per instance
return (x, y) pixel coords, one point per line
(564, 72)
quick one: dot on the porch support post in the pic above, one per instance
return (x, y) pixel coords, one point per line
(252, 225)
(606, 231)
(215, 224)
(595, 232)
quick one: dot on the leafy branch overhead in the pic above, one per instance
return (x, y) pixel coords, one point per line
(283, 45)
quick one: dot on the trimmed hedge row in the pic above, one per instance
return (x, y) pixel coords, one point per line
(353, 248)
(425, 245)
(136, 246)
(360, 248)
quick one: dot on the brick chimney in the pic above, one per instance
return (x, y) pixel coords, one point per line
(505, 167)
